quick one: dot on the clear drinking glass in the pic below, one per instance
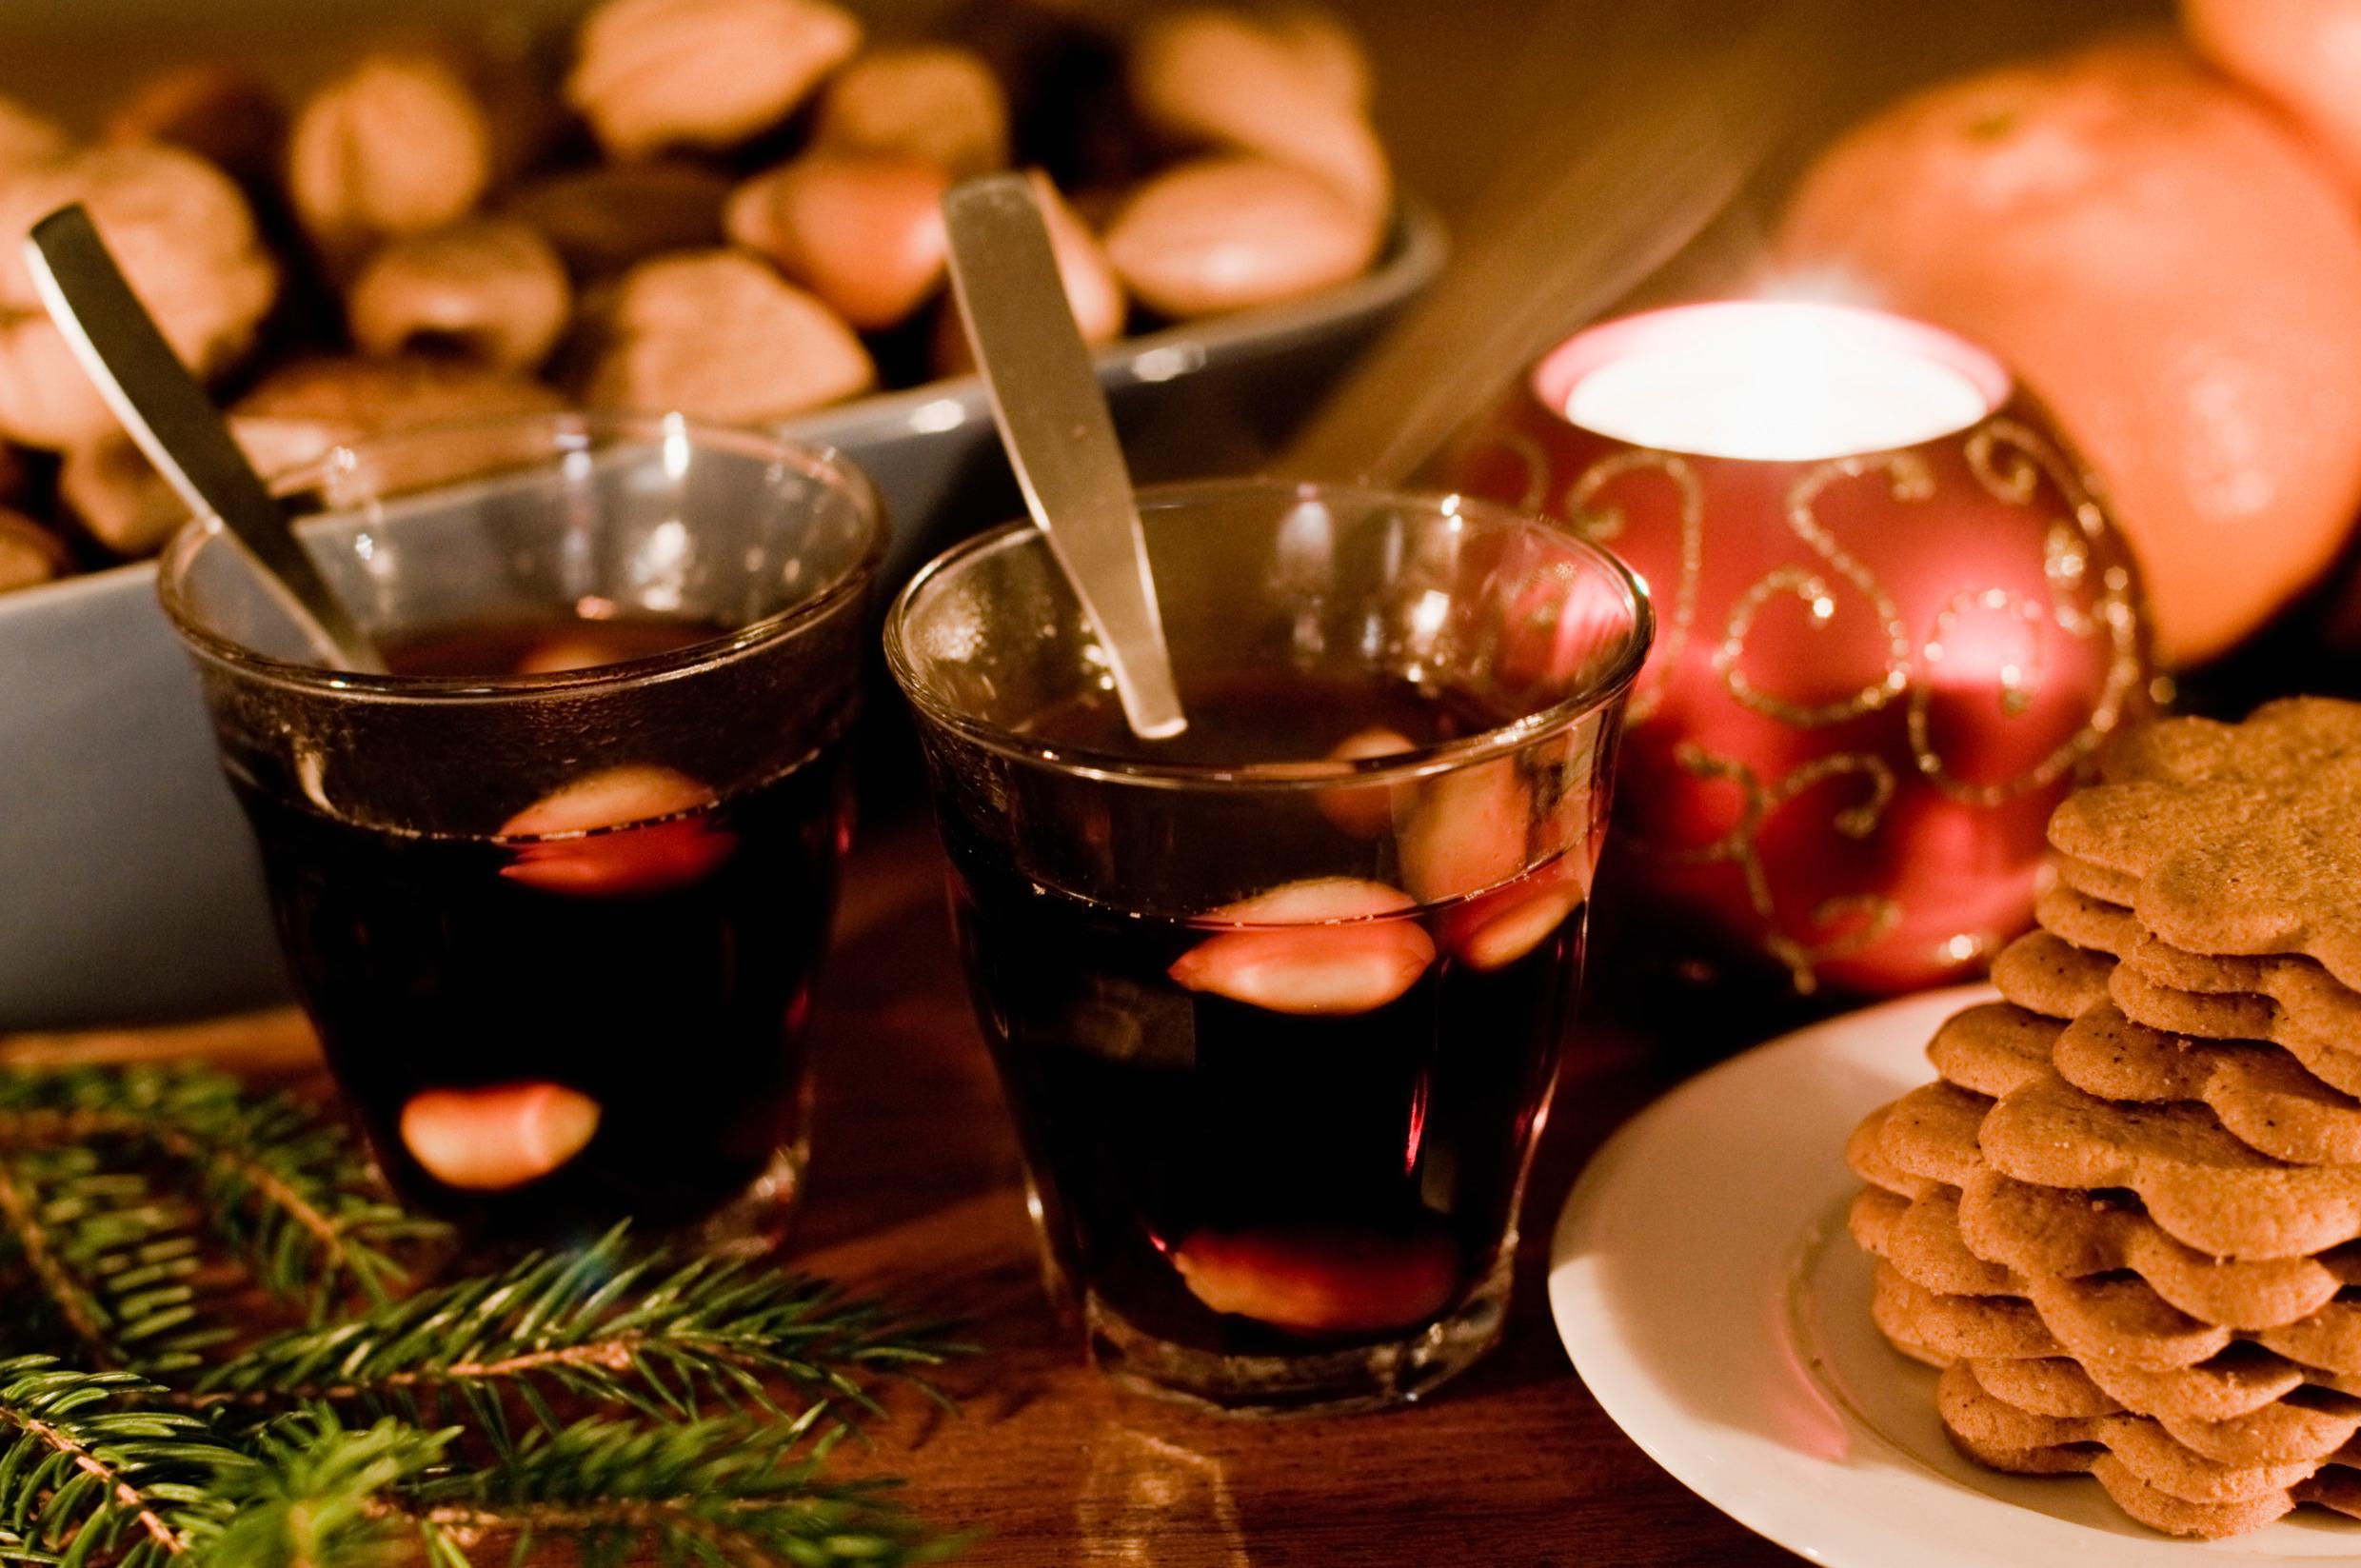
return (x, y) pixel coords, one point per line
(1278, 1004)
(555, 893)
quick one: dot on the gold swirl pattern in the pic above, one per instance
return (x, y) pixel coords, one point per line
(1533, 459)
(1601, 523)
(1741, 847)
(2010, 461)
(1908, 480)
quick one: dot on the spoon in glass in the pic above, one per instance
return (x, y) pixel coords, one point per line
(160, 404)
(1060, 436)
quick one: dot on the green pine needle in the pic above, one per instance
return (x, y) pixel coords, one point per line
(112, 1263)
(317, 1495)
(147, 1215)
(91, 1472)
(612, 1323)
(715, 1492)
(285, 1189)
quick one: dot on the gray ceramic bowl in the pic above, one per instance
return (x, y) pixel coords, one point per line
(129, 891)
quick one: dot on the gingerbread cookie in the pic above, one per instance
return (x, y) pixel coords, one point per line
(2091, 923)
(2036, 1229)
(2199, 1181)
(1932, 1132)
(1993, 1047)
(2327, 1010)
(2246, 842)
(2103, 1320)
(2232, 1017)
(2145, 1478)
(2263, 1406)
(2095, 882)
(2057, 1230)
(2262, 1095)
(2056, 978)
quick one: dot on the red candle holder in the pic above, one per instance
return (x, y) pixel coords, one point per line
(1895, 621)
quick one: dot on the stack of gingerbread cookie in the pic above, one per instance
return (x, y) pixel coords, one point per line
(2124, 1221)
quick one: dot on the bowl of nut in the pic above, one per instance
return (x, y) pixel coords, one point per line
(727, 209)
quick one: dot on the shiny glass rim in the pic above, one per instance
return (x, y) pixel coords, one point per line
(1442, 756)
(822, 463)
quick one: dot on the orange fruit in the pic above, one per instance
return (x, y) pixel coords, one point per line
(2168, 265)
(2305, 55)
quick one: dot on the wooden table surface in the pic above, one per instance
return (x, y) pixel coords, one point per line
(916, 1194)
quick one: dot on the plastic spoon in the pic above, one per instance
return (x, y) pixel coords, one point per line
(1059, 437)
(176, 425)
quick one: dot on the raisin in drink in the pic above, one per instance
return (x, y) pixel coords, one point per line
(1300, 1121)
(556, 887)
(597, 1011)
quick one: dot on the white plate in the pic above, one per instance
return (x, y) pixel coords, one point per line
(1706, 1289)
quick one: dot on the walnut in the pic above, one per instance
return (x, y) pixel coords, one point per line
(185, 238)
(1226, 78)
(1327, 49)
(30, 554)
(395, 146)
(128, 507)
(294, 415)
(935, 103)
(492, 287)
(718, 335)
(864, 234)
(221, 112)
(44, 399)
(1092, 290)
(707, 73)
(1226, 233)
(605, 219)
(124, 504)
(354, 396)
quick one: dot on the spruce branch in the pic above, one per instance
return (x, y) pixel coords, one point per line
(91, 1472)
(28, 1236)
(285, 1188)
(317, 1495)
(712, 1491)
(123, 1195)
(612, 1323)
(106, 1265)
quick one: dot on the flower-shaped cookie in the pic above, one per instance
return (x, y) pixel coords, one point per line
(2240, 839)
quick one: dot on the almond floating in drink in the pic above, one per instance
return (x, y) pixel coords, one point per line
(1469, 833)
(1496, 930)
(617, 832)
(1321, 1279)
(582, 645)
(1363, 810)
(1324, 945)
(490, 1140)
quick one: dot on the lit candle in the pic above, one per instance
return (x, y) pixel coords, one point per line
(1891, 621)
(1780, 380)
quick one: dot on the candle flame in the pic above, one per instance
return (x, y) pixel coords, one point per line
(1775, 381)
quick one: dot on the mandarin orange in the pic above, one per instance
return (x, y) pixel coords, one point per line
(2305, 55)
(2168, 264)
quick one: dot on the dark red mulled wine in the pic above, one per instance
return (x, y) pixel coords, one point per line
(1299, 1121)
(595, 1011)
